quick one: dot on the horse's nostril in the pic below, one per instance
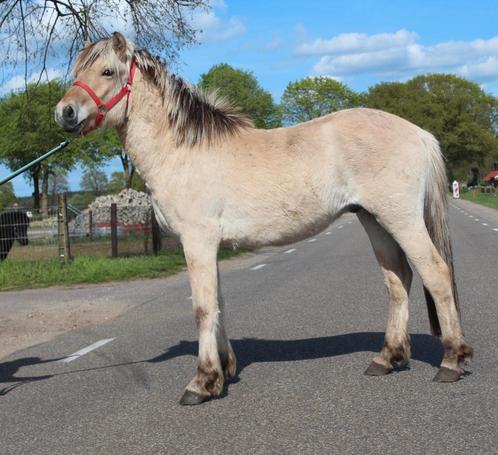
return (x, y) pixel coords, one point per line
(69, 112)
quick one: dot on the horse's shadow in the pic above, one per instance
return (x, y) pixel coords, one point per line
(9, 369)
(425, 348)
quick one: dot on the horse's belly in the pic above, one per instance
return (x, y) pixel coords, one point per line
(269, 229)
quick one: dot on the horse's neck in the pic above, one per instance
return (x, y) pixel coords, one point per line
(145, 135)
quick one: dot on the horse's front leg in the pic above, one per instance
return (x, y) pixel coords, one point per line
(216, 356)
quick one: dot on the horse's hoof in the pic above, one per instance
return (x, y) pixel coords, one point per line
(376, 369)
(191, 398)
(447, 375)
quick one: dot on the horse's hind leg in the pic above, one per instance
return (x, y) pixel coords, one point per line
(216, 358)
(398, 278)
(225, 351)
(413, 237)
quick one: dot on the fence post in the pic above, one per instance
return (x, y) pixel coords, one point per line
(156, 234)
(114, 230)
(63, 230)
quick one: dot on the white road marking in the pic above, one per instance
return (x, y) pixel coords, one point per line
(471, 216)
(311, 240)
(328, 233)
(495, 229)
(86, 350)
(290, 251)
(349, 222)
(476, 219)
(340, 227)
(189, 298)
(257, 267)
(485, 224)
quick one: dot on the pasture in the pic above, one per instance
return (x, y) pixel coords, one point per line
(18, 273)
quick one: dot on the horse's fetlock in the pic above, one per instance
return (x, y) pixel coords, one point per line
(209, 379)
(228, 362)
(457, 353)
(396, 353)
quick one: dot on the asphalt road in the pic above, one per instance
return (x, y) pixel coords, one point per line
(304, 327)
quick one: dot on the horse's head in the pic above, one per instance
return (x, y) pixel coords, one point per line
(99, 96)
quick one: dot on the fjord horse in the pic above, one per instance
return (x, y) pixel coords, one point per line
(213, 177)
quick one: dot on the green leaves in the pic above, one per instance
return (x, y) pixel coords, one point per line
(244, 91)
(7, 195)
(313, 97)
(458, 112)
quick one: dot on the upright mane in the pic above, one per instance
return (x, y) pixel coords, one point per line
(194, 114)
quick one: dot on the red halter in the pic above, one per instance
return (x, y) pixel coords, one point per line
(105, 107)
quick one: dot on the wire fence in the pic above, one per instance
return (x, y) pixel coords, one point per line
(62, 231)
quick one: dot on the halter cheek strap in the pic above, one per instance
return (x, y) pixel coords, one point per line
(106, 107)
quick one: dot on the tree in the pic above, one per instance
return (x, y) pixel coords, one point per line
(32, 30)
(94, 180)
(57, 183)
(116, 182)
(313, 97)
(28, 129)
(243, 90)
(458, 112)
(119, 182)
(7, 195)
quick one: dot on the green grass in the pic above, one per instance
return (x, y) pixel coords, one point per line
(17, 274)
(487, 199)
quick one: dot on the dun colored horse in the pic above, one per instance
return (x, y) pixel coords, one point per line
(13, 226)
(213, 177)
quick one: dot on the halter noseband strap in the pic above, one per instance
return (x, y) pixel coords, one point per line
(105, 107)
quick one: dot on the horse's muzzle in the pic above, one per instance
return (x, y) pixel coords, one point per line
(68, 119)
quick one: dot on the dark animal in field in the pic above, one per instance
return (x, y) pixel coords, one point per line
(13, 226)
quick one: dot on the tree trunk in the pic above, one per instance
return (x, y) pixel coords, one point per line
(128, 169)
(36, 189)
(44, 193)
(131, 173)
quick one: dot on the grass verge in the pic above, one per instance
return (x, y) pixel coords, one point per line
(487, 199)
(16, 274)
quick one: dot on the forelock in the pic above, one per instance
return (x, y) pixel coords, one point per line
(102, 48)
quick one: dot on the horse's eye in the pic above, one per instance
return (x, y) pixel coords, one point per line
(107, 72)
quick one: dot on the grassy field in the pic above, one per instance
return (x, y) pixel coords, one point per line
(22, 274)
(487, 199)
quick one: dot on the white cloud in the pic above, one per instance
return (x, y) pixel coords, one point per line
(213, 27)
(400, 53)
(357, 42)
(16, 82)
(484, 71)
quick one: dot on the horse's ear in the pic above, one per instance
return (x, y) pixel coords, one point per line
(119, 45)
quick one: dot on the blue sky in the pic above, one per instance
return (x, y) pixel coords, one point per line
(358, 42)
